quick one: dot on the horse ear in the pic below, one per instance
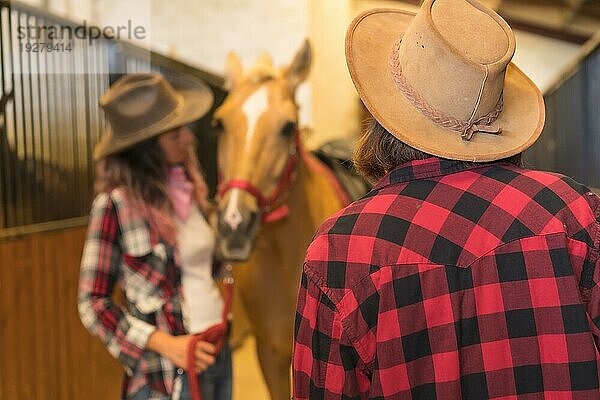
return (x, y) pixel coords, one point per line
(298, 70)
(233, 71)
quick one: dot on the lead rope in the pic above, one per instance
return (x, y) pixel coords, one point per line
(215, 334)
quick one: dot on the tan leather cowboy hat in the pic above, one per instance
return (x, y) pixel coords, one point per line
(144, 105)
(441, 81)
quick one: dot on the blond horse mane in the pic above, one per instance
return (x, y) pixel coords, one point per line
(263, 70)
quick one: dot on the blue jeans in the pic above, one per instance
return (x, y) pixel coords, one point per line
(216, 381)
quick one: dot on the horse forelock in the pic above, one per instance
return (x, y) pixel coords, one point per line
(261, 73)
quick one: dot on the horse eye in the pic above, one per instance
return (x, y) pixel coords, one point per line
(288, 129)
(217, 124)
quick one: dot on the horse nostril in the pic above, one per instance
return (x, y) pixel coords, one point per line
(253, 218)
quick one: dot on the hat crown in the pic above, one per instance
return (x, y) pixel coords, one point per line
(458, 47)
(137, 102)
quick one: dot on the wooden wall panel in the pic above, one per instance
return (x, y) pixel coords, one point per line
(45, 352)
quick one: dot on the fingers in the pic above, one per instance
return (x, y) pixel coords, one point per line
(203, 362)
(201, 366)
(206, 347)
(191, 157)
(204, 355)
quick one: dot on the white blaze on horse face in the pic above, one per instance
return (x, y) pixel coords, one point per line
(253, 108)
(233, 216)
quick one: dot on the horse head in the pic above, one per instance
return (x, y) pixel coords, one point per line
(258, 148)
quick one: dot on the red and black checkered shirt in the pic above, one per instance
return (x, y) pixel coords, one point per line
(450, 281)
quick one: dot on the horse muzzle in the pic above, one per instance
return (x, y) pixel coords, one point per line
(236, 237)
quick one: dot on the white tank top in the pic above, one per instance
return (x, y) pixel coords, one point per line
(202, 304)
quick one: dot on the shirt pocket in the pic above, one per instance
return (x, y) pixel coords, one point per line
(144, 277)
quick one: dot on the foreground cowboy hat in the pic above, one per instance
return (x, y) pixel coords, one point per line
(441, 81)
(142, 106)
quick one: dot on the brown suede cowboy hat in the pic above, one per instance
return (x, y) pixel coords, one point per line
(143, 105)
(442, 82)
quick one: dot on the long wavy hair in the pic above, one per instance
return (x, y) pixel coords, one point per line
(142, 172)
(378, 152)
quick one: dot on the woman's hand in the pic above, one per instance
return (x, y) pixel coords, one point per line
(175, 348)
(200, 188)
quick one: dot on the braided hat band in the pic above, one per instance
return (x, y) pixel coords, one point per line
(466, 129)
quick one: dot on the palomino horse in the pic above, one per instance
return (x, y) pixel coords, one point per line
(273, 196)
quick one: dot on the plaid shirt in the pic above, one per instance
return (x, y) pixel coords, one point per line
(119, 249)
(449, 281)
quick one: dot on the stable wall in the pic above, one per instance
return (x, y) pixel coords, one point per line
(202, 33)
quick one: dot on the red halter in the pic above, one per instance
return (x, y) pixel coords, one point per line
(271, 207)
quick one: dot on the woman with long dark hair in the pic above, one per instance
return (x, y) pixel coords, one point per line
(148, 234)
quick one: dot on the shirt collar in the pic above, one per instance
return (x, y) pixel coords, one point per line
(422, 169)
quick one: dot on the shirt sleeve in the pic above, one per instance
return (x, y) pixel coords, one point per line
(590, 280)
(325, 363)
(124, 336)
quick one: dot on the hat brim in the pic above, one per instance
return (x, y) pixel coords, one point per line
(198, 99)
(369, 42)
